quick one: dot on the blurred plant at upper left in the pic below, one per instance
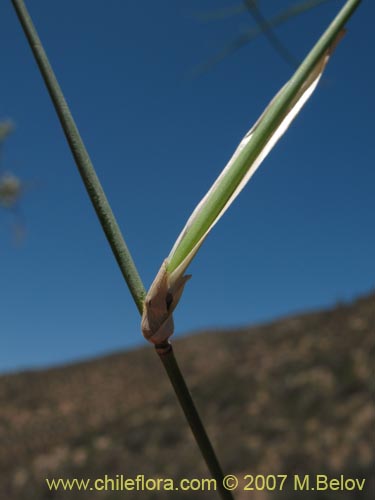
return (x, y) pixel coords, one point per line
(11, 186)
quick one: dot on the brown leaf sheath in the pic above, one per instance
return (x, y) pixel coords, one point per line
(161, 299)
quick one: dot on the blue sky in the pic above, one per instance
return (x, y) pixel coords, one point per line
(299, 237)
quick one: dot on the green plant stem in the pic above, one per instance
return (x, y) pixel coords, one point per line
(83, 162)
(115, 239)
(168, 359)
(261, 135)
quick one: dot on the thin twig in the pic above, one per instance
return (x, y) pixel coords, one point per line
(266, 27)
(252, 33)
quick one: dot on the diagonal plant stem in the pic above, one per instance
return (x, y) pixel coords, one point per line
(226, 187)
(116, 241)
(82, 159)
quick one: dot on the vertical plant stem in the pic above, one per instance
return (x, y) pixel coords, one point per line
(168, 359)
(115, 238)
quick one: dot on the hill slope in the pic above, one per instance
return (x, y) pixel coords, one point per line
(283, 398)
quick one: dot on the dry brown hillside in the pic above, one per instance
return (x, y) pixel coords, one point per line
(293, 396)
